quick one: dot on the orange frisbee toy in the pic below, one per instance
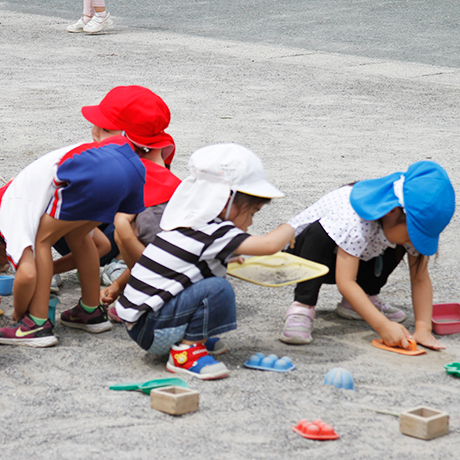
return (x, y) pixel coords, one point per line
(413, 350)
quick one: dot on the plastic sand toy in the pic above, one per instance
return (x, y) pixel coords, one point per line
(6, 284)
(277, 270)
(446, 318)
(146, 387)
(413, 350)
(316, 430)
(340, 378)
(453, 369)
(270, 363)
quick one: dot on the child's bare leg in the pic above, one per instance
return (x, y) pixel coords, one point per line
(49, 231)
(88, 314)
(87, 262)
(24, 284)
(67, 262)
(4, 265)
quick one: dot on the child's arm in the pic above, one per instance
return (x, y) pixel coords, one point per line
(268, 244)
(422, 301)
(392, 334)
(130, 246)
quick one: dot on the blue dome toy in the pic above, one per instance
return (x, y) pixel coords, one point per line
(340, 378)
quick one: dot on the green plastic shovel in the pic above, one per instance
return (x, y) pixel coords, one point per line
(146, 387)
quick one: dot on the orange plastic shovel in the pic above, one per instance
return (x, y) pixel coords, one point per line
(413, 350)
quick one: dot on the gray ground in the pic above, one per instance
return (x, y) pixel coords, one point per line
(318, 120)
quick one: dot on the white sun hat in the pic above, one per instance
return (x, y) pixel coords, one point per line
(216, 172)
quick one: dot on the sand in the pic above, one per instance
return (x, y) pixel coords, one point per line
(318, 120)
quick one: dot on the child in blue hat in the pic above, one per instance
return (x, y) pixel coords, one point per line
(362, 232)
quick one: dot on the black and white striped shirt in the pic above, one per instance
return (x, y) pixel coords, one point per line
(174, 261)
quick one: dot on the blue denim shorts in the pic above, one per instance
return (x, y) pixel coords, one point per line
(203, 310)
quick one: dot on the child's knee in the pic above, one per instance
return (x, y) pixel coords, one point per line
(25, 275)
(220, 288)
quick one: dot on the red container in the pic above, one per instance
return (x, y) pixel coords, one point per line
(446, 318)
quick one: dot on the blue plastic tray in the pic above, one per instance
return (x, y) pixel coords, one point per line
(270, 363)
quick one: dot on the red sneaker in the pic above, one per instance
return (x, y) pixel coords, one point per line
(194, 360)
(26, 333)
(113, 315)
(79, 318)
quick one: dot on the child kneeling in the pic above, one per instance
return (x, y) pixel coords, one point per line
(176, 298)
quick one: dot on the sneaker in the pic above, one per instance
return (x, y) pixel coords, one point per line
(26, 333)
(112, 271)
(79, 318)
(113, 315)
(345, 310)
(55, 283)
(77, 27)
(298, 324)
(194, 360)
(97, 24)
(215, 346)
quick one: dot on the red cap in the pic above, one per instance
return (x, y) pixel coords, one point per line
(139, 112)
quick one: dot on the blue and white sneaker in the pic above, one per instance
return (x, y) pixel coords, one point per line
(215, 346)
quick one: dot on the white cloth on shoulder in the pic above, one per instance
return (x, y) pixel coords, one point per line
(25, 201)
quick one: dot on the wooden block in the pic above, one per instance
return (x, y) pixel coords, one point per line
(175, 400)
(424, 423)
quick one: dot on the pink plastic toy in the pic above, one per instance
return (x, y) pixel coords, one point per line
(317, 430)
(446, 318)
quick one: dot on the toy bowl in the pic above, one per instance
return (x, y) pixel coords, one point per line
(446, 318)
(6, 284)
(340, 378)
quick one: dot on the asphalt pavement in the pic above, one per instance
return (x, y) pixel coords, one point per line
(406, 30)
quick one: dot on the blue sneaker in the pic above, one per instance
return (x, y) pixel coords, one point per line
(194, 360)
(215, 346)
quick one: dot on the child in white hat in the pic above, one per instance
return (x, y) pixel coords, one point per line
(362, 232)
(177, 298)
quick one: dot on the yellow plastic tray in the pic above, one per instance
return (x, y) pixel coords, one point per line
(277, 270)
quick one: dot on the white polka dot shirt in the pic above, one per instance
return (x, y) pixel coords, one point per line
(358, 237)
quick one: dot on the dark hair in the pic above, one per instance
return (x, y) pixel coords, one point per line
(244, 201)
(401, 219)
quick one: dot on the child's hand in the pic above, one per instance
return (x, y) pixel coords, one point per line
(426, 339)
(109, 294)
(395, 335)
(236, 260)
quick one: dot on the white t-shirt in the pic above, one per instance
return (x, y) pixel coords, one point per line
(358, 237)
(25, 201)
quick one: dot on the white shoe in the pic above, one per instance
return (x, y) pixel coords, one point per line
(298, 324)
(112, 271)
(97, 24)
(55, 283)
(345, 310)
(77, 27)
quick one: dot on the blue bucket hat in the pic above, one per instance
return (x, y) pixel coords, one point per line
(424, 192)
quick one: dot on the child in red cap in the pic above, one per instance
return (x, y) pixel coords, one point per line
(91, 183)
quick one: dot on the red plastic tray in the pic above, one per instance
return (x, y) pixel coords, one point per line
(446, 318)
(316, 430)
